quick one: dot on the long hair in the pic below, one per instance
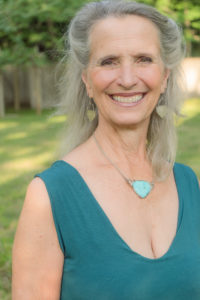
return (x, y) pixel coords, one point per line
(161, 146)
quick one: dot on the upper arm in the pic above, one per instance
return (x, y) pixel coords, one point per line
(37, 256)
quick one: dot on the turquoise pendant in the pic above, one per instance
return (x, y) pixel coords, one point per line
(142, 188)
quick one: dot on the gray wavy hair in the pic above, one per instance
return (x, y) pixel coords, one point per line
(161, 137)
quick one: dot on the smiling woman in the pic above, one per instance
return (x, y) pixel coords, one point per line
(115, 217)
(167, 51)
(125, 82)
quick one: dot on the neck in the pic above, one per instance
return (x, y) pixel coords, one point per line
(124, 149)
(141, 187)
(123, 144)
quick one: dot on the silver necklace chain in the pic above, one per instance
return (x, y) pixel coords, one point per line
(112, 163)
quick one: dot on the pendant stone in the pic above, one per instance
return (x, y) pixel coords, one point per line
(142, 188)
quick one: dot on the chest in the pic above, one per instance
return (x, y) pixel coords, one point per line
(105, 268)
(101, 266)
(148, 226)
(115, 277)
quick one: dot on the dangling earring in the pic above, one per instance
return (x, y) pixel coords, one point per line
(91, 110)
(162, 109)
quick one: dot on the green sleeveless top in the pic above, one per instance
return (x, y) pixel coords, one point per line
(99, 265)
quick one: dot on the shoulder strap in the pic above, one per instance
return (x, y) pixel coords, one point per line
(189, 191)
(64, 190)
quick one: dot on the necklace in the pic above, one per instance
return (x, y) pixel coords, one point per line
(141, 187)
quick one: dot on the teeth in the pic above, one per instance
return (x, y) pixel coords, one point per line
(127, 99)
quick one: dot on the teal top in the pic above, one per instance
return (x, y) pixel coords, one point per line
(99, 265)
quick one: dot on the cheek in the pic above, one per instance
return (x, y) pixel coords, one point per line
(152, 77)
(102, 79)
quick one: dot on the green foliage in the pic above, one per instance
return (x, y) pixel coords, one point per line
(186, 13)
(31, 30)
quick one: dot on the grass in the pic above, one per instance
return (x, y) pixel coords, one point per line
(28, 142)
(189, 137)
(27, 146)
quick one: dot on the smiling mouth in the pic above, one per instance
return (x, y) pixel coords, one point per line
(127, 99)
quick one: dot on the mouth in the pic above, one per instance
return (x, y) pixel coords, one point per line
(127, 99)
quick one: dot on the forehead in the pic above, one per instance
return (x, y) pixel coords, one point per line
(122, 33)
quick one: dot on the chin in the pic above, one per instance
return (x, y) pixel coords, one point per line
(130, 120)
(130, 123)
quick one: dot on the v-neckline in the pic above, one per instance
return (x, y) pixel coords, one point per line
(99, 207)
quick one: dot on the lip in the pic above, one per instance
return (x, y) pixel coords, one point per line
(124, 104)
(131, 94)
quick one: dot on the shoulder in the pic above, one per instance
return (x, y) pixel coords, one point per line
(36, 215)
(36, 249)
(54, 176)
(187, 172)
(36, 186)
(61, 183)
(46, 186)
(184, 168)
(37, 200)
(36, 218)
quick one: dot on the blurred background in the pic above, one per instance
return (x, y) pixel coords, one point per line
(31, 45)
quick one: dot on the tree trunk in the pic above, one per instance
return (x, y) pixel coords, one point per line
(16, 90)
(35, 89)
(32, 86)
(188, 48)
(2, 105)
(38, 94)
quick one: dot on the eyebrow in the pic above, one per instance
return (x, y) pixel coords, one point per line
(114, 56)
(111, 56)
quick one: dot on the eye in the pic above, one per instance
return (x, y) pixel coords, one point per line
(108, 62)
(144, 59)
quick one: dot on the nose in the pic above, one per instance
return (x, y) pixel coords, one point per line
(127, 76)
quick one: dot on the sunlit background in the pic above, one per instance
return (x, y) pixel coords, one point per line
(31, 45)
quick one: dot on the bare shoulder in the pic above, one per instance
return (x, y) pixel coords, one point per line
(37, 195)
(36, 203)
(36, 215)
(37, 256)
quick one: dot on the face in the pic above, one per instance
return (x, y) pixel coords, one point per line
(125, 75)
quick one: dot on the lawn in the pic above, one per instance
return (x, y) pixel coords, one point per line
(28, 144)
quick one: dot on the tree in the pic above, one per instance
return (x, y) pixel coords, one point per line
(31, 34)
(31, 30)
(187, 14)
(2, 109)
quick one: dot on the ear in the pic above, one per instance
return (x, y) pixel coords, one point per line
(165, 78)
(85, 79)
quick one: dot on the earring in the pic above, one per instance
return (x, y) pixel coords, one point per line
(162, 109)
(91, 110)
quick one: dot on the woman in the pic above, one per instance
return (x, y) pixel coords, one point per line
(115, 218)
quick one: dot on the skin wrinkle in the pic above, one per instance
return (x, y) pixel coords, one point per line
(107, 78)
